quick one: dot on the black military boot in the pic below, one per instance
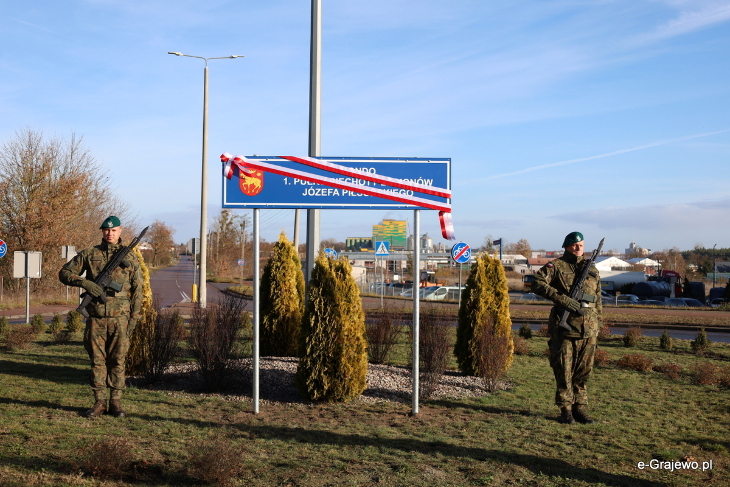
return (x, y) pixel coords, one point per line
(580, 415)
(115, 408)
(97, 409)
(565, 416)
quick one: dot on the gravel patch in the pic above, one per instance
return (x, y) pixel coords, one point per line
(276, 383)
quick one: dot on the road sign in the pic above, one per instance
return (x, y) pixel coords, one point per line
(382, 247)
(193, 246)
(461, 253)
(27, 264)
(331, 253)
(264, 189)
(3, 248)
(240, 262)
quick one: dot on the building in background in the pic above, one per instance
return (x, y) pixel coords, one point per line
(393, 231)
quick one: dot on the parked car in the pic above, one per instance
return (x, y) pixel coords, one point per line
(651, 302)
(693, 303)
(717, 302)
(396, 288)
(531, 297)
(625, 299)
(675, 303)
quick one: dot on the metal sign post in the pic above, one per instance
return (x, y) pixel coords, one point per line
(27, 264)
(461, 253)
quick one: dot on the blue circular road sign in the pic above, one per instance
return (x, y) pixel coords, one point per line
(3, 248)
(331, 253)
(461, 253)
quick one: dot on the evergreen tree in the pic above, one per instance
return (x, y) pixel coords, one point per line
(140, 338)
(282, 301)
(484, 319)
(333, 348)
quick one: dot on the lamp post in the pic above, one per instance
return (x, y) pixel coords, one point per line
(714, 265)
(202, 299)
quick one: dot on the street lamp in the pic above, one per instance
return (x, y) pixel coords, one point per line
(714, 264)
(204, 184)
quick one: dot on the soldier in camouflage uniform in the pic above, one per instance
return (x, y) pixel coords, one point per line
(571, 352)
(106, 337)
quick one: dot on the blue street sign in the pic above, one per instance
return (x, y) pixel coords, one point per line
(240, 262)
(382, 247)
(3, 248)
(268, 190)
(461, 253)
(331, 253)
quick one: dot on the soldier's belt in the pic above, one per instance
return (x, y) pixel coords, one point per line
(583, 304)
(586, 298)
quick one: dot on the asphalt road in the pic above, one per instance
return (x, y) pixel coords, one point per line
(174, 285)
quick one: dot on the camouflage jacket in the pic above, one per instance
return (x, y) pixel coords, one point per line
(555, 278)
(128, 301)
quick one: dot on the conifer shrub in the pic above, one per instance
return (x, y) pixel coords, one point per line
(74, 321)
(604, 333)
(724, 376)
(704, 374)
(217, 461)
(494, 351)
(382, 334)
(62, 336)
(631, 336)
(543, 331)
(434, 347)
(701, 344)
(333, 349)
(281, 301)
(38, 323)
(144, 331)
(670, 370)
(665, 341)
(521, 346)
(601, 358)
(4, 325)
(484, 345)
(635, 361)
(213, 340)
(20, 337)
(108, 458)
(525, 331)
(56, 324)
(158, 343)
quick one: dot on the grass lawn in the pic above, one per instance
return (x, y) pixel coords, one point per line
(507, 438)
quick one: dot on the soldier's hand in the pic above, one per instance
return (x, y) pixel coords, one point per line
(92, 288)
(568, 302)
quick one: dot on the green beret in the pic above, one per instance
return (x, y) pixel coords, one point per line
(110, 222)
(571, 238)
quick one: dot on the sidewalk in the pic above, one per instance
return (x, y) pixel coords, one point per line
(17, 315)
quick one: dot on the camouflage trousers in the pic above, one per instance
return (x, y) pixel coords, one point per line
(107, 342)
(572, 362)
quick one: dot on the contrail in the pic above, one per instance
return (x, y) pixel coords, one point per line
(599, 156)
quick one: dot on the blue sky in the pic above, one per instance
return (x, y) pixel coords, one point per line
(605, 116)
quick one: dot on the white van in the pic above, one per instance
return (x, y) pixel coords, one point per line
(441, 293)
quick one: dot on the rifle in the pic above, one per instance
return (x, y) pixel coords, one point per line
(104, 279)
(575, 291)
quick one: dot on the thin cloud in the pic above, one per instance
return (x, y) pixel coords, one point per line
(35, 26)
(599, 156)
(688, 22)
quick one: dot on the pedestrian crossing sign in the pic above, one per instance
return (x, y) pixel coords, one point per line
(382, 247)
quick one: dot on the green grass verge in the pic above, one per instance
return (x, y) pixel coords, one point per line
(507, 438)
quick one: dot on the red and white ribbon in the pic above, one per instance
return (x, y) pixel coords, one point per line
(240, 163)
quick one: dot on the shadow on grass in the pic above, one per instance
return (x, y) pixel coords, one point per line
(61, 374)
(43, 404)
(451, 404)
(538, 465)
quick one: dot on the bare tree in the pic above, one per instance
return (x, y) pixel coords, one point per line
(522, 247)
(228, 241)
(52, 193)
(159, 236)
